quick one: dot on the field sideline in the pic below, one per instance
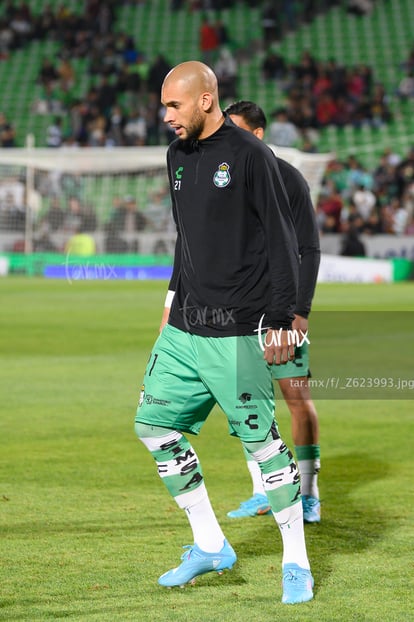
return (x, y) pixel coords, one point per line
(86, 526)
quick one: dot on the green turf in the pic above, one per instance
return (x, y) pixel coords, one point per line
(87, 527)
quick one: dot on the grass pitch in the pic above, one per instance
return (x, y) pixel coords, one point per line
(87, 527)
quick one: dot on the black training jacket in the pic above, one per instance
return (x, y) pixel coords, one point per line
(236, 256)
(307, 233)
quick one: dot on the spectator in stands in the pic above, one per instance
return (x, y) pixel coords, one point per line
(226, 69)
(158, 211)
(89, 219)
(336, 74)
(126, 216)
(409, 230)
(355, 84)
(104, 18)
(327, 222)
(7, 39)
(360, 7)
(81, 244)
(345, 111)
(393, 158)
(167, 133)
(96, 127)
(114, 242)
(307, 68)
(152, 116)
(209, 42)
(223, 36)
(357, 175)
(322, 83)
(7, 132)
(66, 73)
(21, 25)
(135, 129)
(13, 212)
(372, 225)
(404, 174)
(282, 132)
(48, 74)
(116, 124)
(351, 244)
(106, 95)
(158, 69)
(176, 5)
(73, 220)
(405, 89)
(128, 83)
(364, 200)
(271, 24)
(45, 24)
(273, 65)
(326, 110)
(130, 52)
(384, 177)
(55, 215)
(329, 209)
(54, 133)
(379, 111)
(50, 101)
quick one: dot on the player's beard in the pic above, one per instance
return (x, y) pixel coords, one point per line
(196, 126)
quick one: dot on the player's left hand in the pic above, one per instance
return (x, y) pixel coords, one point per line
(277, 350)
(300, 323)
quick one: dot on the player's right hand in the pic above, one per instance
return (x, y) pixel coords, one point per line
(165, 316)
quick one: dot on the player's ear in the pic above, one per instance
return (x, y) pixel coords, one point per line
(206, 101)
(259, 132)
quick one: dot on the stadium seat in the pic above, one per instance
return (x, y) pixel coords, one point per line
(334, 33)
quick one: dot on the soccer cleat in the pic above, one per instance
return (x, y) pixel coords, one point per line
(196, 562)
(311, 509)
(255, 506)
(297, 584)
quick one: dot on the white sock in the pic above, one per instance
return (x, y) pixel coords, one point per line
(206, 529)
(309, 470)
(290, 522)
(256, 475)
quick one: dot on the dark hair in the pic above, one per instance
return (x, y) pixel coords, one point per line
(252, 114)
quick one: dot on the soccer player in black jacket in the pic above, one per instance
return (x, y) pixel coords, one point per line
(292, 377)
(235, 280)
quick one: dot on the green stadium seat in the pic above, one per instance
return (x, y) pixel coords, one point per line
(351, 40)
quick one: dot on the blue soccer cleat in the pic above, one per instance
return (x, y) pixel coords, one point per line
(297, 584)
(196, 562)
(311, 509)
(255, 506)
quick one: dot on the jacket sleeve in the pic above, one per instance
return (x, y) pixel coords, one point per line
(307, 234)
(177, 252)
(269, 197)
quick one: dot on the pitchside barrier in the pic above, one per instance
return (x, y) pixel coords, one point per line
(142, 267)
(118, 196)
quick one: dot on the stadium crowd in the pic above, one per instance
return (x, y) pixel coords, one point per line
(123, 107)
(368, 202)
(320, 93)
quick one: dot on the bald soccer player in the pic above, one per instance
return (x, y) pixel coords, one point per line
(235, 279)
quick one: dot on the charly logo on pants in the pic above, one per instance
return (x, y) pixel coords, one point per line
(250, 419)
